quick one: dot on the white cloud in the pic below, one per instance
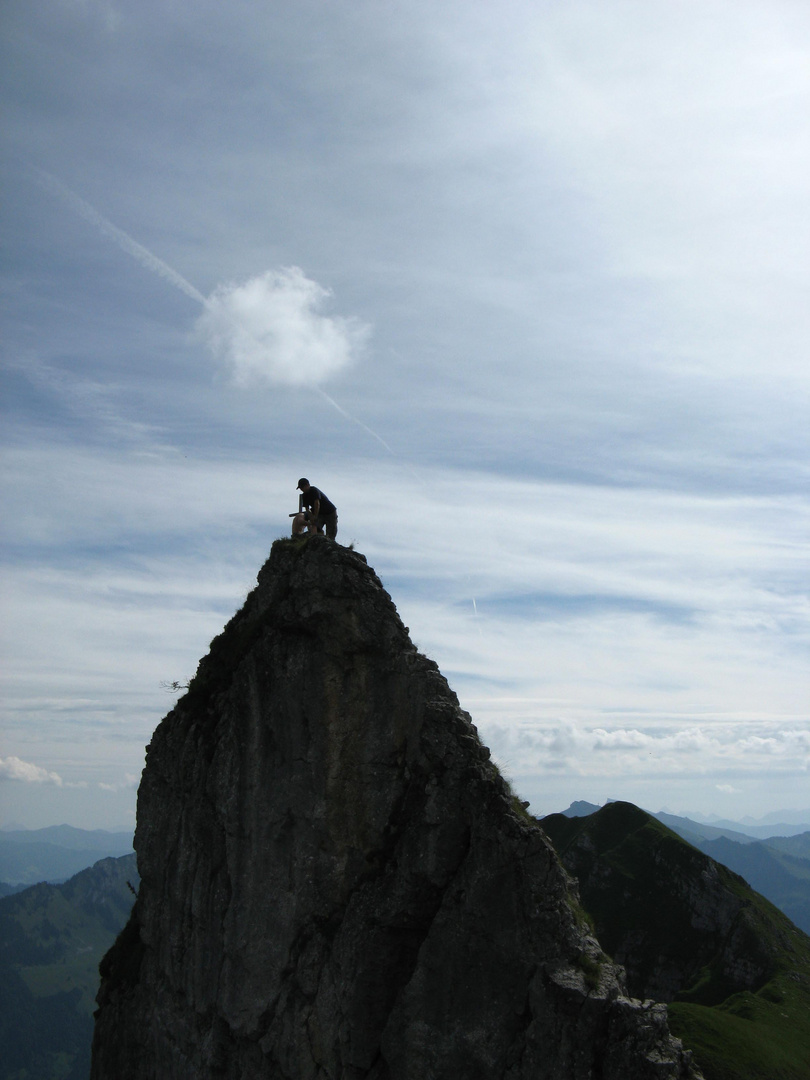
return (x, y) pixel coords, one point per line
(12, 768)
(794, 745)
(129, 783)
(270, 329)
(717, 745)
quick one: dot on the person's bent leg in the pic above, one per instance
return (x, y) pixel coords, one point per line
(298, 525)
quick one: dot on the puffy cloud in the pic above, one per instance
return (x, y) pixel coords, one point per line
(270, 329)
(13, 768)
(790, 743)
(618, 740)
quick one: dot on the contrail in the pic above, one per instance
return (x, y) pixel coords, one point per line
(118, 236)
(354, 419)
(157, 266)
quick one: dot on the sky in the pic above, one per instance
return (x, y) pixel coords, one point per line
(523, 287)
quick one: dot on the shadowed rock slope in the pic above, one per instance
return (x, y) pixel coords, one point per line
(690, 931)
(336, 881)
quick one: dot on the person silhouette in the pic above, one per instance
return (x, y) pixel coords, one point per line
(317, 512)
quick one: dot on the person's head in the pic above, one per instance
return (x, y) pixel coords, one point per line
(303, 484)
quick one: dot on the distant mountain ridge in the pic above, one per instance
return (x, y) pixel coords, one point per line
(695, 830)
(772, 829)
(792, 845)
(742, 831)
(778, 867)
(10, 890)
(68, 836)
(792, 817)
(781, 877)
(56, 853)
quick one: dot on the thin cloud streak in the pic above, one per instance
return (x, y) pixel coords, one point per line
(353, 419)
(138, 252)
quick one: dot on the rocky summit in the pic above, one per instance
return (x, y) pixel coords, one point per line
(336, 881)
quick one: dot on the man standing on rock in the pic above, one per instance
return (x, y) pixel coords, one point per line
(318, 512)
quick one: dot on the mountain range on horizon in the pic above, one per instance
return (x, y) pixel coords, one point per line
(55, 853)
(69, 836)
(774, 817)
(775, 824)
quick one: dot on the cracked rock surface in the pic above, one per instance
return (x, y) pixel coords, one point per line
(336, 882)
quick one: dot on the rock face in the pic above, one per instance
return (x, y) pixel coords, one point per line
(337, 884)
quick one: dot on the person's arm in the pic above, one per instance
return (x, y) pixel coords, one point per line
(315, 509)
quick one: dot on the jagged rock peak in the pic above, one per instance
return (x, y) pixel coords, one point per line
(337, 883)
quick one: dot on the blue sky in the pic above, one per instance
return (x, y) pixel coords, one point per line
(522, 287)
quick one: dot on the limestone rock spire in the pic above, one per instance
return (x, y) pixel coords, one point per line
(337, 883)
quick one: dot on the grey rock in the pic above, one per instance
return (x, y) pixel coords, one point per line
(337, 883)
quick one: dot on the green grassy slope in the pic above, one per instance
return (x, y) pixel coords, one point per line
(52, 938)
(689, 931)
(752, 1036)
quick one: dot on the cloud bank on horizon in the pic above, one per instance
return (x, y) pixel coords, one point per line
(580, 235)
